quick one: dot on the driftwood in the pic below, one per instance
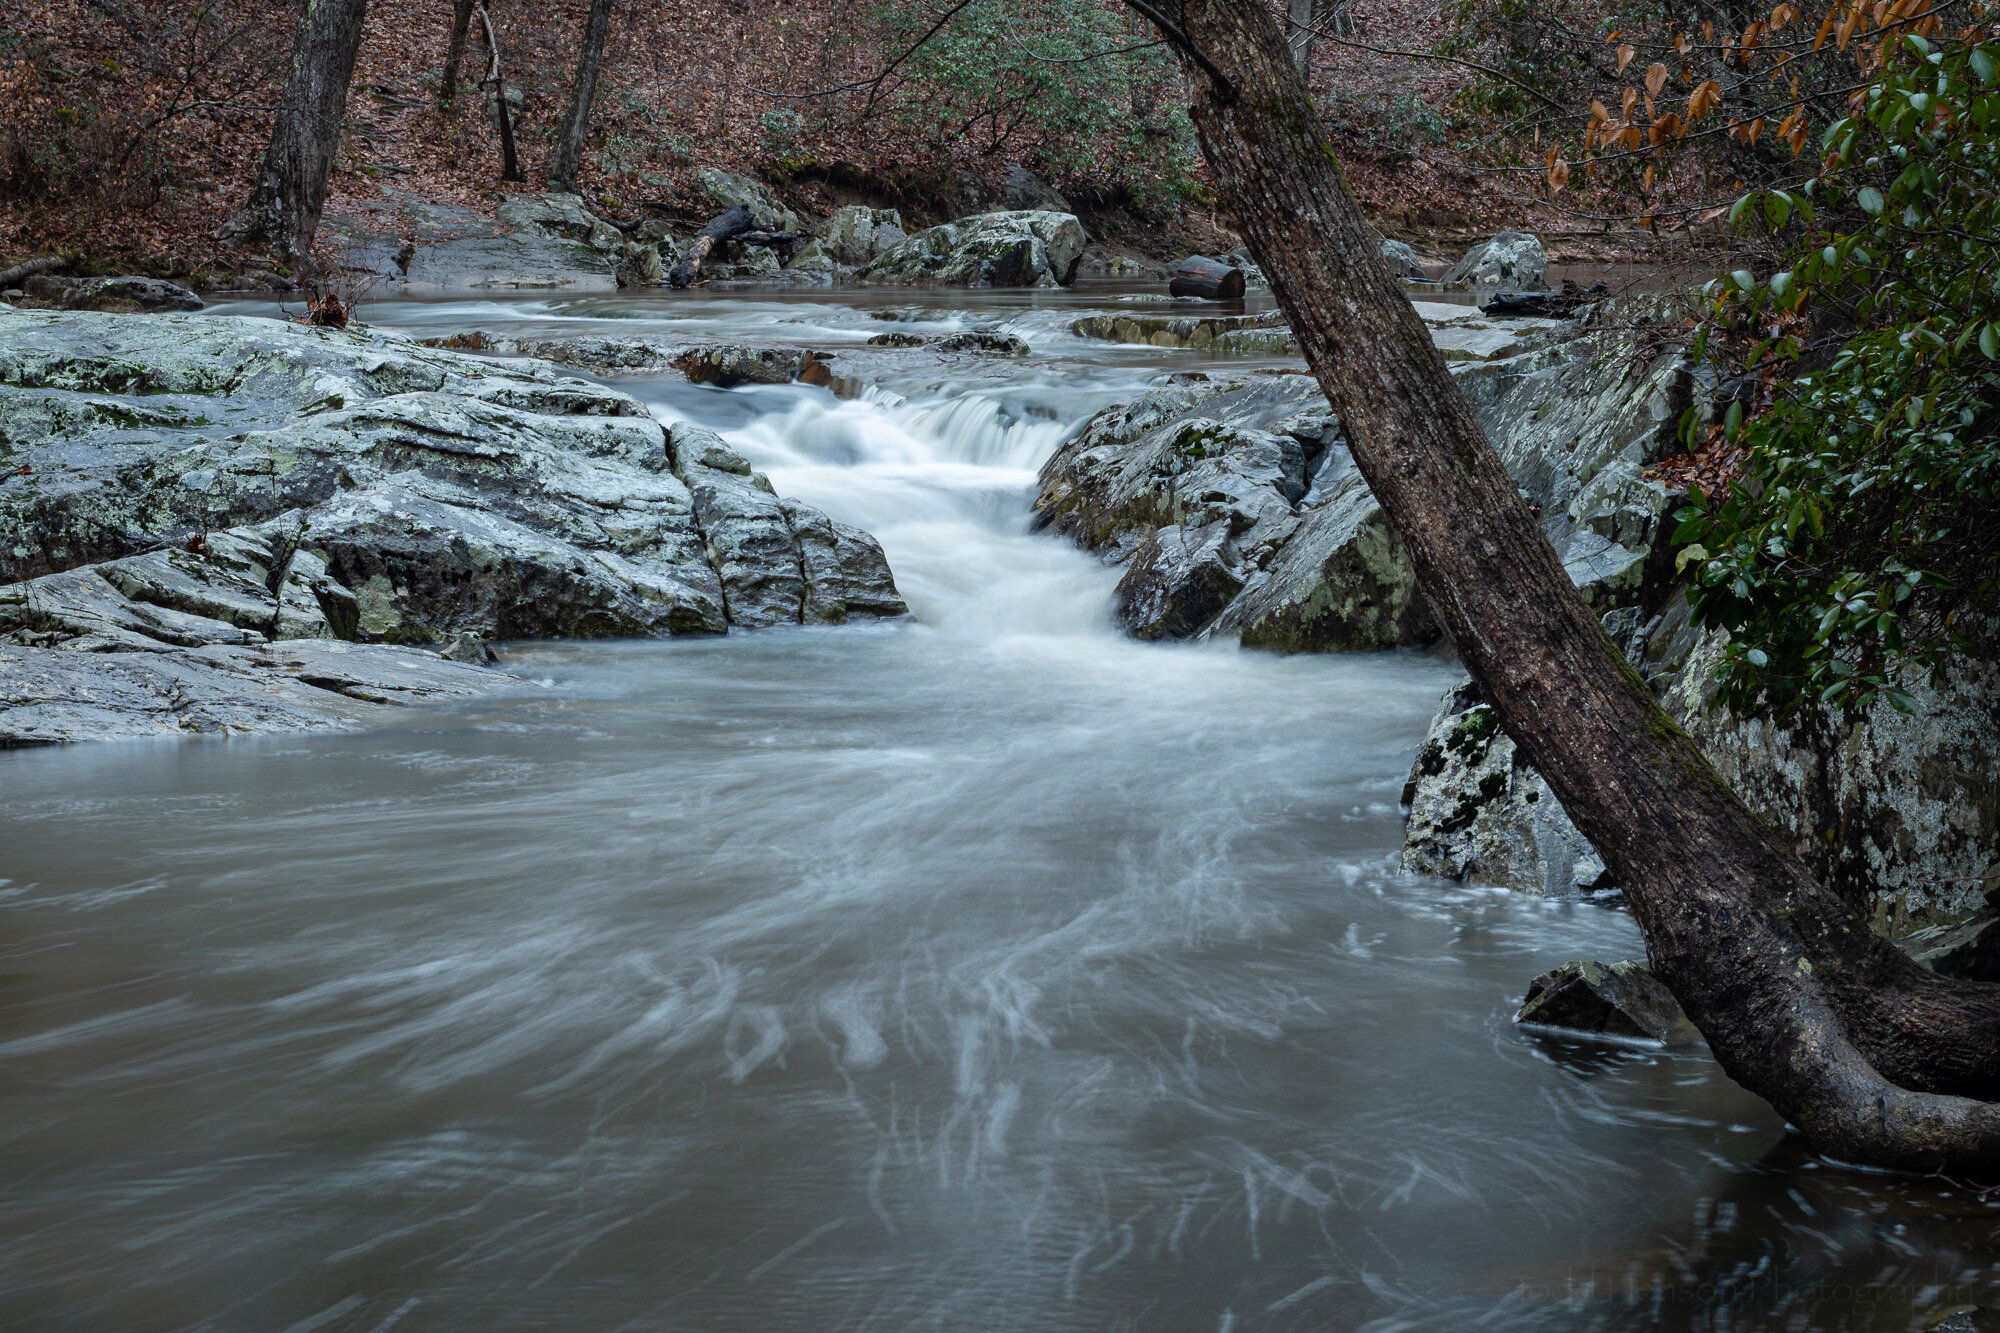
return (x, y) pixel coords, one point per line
(1550, 304)
(1201, 276)
(725, 226)
(8, 277)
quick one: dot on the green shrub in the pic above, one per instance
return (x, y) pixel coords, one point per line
(1862, 545)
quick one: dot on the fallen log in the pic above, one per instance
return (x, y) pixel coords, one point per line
(724, 226)
(1201, 276)
(8, 277)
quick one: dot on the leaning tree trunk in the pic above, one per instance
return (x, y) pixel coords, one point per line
(1876, 1060)
(291, 184)
(576, 123)
(454, 54)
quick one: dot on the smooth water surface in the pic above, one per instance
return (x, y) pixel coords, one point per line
(982, 971)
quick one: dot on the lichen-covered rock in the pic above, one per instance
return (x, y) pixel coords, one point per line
(1607, 999)
(1511, 261)
(123, 295)
(727, 189)
(1236, 510)
(848, 239)
(228, 481)
(1902, 805)
(1195, 331)
(1480, 811)
(1026, 249)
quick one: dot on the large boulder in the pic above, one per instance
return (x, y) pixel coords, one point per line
(557, 215)
(195, 482)
(1511, 261)
(125, 295)
(1022, 249)
(727, 189)
(1404, 261)
(1235, 510)
(1021, 190)
(849, 239)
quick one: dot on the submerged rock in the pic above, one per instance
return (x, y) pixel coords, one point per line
(1611, 1000)
(1024, 249)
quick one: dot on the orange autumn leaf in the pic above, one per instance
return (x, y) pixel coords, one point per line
(1625, 54)
(1656, 78)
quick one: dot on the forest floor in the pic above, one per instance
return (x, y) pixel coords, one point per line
(141, 123)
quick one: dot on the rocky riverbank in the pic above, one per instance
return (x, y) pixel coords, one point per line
(195, 502)
(1233, 509)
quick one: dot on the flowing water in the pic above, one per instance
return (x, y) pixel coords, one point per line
(982, 971)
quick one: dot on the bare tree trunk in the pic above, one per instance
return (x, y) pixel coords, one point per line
(1876, 1060)
(510, 164)
(576, 124)
(291, 184)
(1299, 35)
(454, 55)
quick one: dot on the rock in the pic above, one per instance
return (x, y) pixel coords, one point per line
(849, 239)
(54, 697)
(897, 340)
(522, 261)
(727, 189)
(981, 340)
(1964, 1319)
(197, 482)
(1025, 249)
(557, 215)
(1236, 511)
(1021, 190)
(121, 295)
(1968, 949)
(1404, 261)
(599, 354)
(1100, 263)
(727, 365)
(1513, 261)
(1480, 811)
(780, 561)
(1612, 1000)
(1576, 425)
(1199, 332)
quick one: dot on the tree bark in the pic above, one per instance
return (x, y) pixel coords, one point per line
(1299, 35)
(291, 183)
(1204, 277)
(454, 55)
(510, 163)
(723, 226)
(576, 123)
(1874, 1059)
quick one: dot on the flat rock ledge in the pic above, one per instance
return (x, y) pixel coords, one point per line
(186, 497)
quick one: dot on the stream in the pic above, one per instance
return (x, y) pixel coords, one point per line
(983, 970)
